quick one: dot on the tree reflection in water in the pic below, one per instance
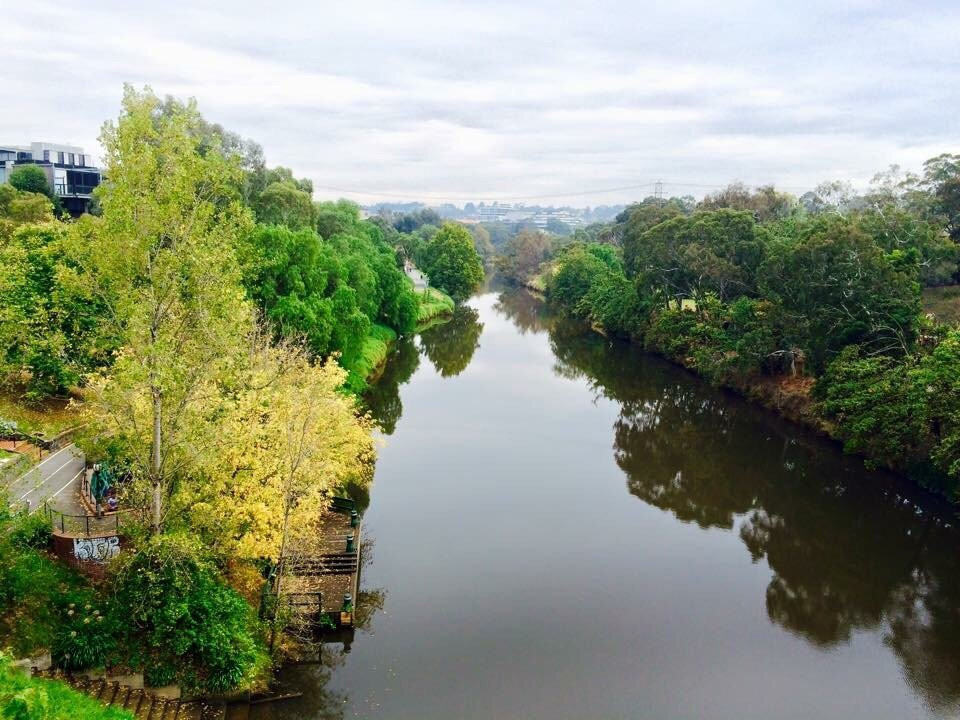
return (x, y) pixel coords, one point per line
(450, 346)
(383, 398)
(848, 549)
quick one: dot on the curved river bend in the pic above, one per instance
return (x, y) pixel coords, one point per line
(564, 528)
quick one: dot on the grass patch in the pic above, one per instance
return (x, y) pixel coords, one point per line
(432, 304)
(373, 354)
(29, 697)
(50, 417)
(943, 303)
(36, 590)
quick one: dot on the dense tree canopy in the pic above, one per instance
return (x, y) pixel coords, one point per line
(717, 252)
(451, 262)
(523, 254)
(834, 286)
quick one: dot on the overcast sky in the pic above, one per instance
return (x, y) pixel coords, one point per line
(486, 101)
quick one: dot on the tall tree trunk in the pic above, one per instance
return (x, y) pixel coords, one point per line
(155, 462)
(287, 508)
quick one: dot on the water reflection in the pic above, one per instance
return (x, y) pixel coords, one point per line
(450, 346)
(383, 398)
(848, 550)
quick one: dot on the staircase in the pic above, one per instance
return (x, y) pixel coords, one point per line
(327, 564)
(144, 704)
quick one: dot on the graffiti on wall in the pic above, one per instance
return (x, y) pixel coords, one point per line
(97, 550)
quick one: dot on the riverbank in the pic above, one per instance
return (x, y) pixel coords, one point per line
(701, 341)
(433, 306)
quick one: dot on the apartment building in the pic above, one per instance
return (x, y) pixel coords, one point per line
(68, 168)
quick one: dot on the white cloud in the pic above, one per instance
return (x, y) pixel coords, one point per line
(433, 98)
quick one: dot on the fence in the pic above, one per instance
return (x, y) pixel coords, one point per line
(342, 504)
(84, 525)
(308, 604)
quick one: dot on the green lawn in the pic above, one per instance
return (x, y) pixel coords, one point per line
(431, 304)
(22, 696)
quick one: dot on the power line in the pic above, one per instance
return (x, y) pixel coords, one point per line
(657, 186)
(432, 196)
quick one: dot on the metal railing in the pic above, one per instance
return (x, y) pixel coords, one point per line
(84, 525)
(304, 603)
(342, 504)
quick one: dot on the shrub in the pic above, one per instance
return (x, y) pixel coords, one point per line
(190, 627)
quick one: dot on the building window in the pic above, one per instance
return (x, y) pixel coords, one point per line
(81, 160)
(46, 156)
(60, 158)
(72, 159)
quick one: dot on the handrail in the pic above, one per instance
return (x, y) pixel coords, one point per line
(84, 525)
(342, 503)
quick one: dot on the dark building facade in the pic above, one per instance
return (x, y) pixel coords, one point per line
(68, 168)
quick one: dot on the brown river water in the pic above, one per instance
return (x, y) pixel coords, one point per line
(563, 527)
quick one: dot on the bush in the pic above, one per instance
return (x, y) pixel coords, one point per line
(189, 627)
(31, 531)
(87, 638)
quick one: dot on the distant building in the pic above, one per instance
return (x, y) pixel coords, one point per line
(542, 218)
(493, 213)
(69, 170)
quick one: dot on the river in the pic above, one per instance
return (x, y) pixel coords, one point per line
(563, 527)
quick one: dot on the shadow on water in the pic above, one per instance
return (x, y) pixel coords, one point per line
(849, 549)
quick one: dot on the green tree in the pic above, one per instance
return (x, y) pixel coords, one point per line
(833, 286)
(19, 208)
(684, 257)
(30, 178)
(578, 268)
(765, 203)
(451, 262)
(283, 203)
(895, 229)
(523, 254)
(53, 325)
(941, 178)
(165, 262)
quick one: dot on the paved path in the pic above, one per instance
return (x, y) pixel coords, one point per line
(419, 279)
(53, 479)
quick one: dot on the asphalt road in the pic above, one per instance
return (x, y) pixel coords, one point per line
(53, 479)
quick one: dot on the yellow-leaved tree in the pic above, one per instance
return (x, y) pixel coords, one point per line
(291, 438)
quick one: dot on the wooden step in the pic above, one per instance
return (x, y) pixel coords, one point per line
(145, 709)
(99, 689)
(110, 693)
